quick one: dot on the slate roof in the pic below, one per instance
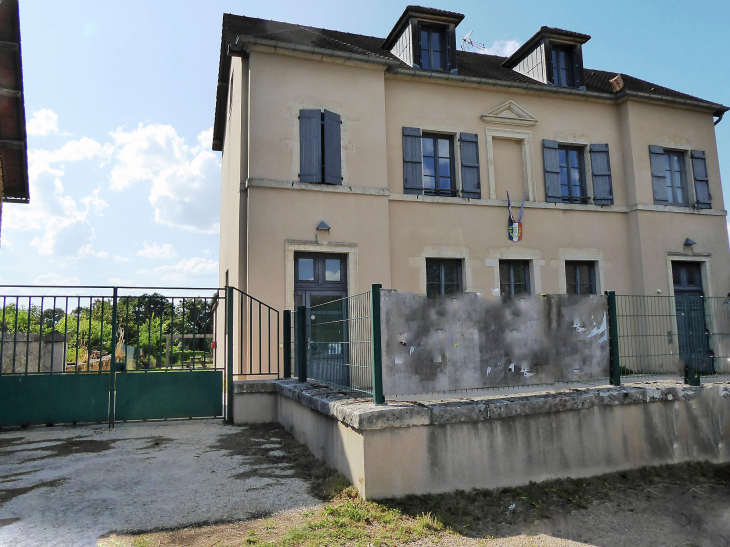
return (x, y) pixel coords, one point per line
(470, 64)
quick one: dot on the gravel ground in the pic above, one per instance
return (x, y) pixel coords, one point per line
(72, 485)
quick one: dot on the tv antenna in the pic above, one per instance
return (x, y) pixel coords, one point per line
(467, 44)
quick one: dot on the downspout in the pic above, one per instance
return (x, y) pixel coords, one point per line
(719, 117)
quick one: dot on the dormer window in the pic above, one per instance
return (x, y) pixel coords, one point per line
(425, 38)
(563, 66)
(552, 56)
(432, 49)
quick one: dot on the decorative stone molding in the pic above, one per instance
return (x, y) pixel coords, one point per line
(510, 113)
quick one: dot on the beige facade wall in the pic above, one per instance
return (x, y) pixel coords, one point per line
(389, 235)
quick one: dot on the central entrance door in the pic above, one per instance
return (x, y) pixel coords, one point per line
(320, 284)
(694, 343)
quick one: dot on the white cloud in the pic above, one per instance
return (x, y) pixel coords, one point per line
(191, 267)
(6, 245)
(183, 179)
(86, 252)
(503, 48)
(163, 252)
(42, 123)
(120, 259)
(120, 281)
(55, 279)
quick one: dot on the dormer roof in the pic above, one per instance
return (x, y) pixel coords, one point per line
(418, 12)
(549, 33)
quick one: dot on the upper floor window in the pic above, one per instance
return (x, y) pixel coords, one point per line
(433, 49)
(572, 174)
(566, 173)
(514, 277)
(668, 177)
(580, 277)
(320, 151)
(438, 164)
(443, 276)
(429, 165)
(563, 66)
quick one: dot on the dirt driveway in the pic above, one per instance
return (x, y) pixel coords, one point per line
(71, 485)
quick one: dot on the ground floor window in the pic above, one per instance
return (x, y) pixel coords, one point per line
(580, 277)
(443, 276)
(514, 277)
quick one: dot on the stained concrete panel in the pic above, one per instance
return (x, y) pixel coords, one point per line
(464, 341)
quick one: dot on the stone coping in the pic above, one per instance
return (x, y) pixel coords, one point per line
(362, 414)
(254, 386)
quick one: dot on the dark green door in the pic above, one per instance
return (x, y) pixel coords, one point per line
(321, 285)
(694, 343)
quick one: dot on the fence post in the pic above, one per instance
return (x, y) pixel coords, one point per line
(378, 396)
(287, 343)
(229, 351)
(615, 364)
(112, 360)
(302, 342)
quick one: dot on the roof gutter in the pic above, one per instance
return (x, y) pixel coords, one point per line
(241, 41)
(719, 117)
(717, 109)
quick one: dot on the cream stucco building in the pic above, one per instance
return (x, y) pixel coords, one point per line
(350, 160)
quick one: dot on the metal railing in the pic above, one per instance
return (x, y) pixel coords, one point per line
(685, 335)
(338, 342)
(45, 332)
(255, 341)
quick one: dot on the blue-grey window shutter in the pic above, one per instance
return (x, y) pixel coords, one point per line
(659, 174)
(702, 182)
(551, 160)
(310, 145)
(332, 148)
(470, 183)
(601, 170)
(412, 161)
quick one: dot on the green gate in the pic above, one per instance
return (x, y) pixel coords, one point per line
(107, 354)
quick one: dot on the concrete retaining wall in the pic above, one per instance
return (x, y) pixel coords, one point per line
(464, 341)
(407, 448)
(51, 347)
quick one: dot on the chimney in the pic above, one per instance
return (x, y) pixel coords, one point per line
(617, 83)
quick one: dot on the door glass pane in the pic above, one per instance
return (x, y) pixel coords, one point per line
(306, 269)
(677, 275)
(694, 275)
(429, 183)
(445, 183)
(332, 269)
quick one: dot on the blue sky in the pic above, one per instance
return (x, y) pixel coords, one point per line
(120, 96)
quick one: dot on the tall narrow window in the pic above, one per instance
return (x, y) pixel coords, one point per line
(514, 277)
(572, 174)
(443, 276)
(433, 49)
(562, 66)
(668, 176)
(438, 165)
(580, 277)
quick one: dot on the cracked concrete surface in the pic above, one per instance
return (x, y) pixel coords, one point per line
(72, 485)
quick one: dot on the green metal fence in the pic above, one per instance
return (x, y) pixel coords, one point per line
(686, 335)
(338, 342)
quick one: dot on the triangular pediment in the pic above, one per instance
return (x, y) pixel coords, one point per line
(509, 113)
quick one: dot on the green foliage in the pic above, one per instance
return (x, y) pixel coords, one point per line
(145, 323)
